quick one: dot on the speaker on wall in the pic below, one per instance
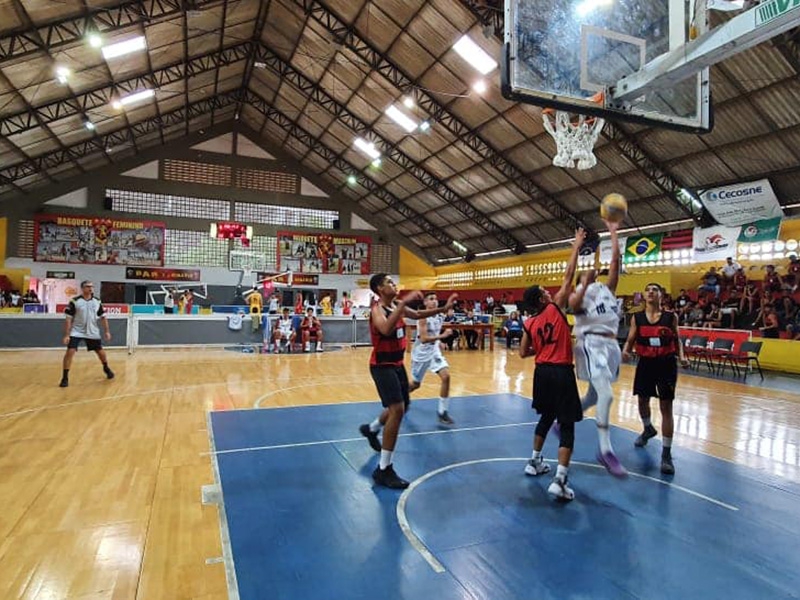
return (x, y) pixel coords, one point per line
(107, 202)
(337, 224)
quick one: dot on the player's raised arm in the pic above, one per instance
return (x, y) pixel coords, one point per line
(613, 270)
(429, 312)
(562, 296)
(387, 324)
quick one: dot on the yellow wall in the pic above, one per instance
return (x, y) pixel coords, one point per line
(415, 273)
(780, 355)
(18, 278)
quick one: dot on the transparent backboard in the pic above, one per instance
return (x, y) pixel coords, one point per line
(560, 53)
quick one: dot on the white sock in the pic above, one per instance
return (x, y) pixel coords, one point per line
(443, 402)
(386, 459)
(536, 455)
(561, 471)
(319, 345)
(666, 442)
(646, 421)
(604, 435)
(375, 426)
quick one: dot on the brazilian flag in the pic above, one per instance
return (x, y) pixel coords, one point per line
(643, 247)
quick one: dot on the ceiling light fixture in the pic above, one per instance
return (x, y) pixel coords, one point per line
(62, 74)
(475, 55)
(125, 47)
(479, 86)
(133, 98)
(367, 148)
(408, 102)
(95, 41)
(401, 118)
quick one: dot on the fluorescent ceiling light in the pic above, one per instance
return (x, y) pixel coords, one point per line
(408, 102)
(424, 126)
(89, 125)
(95, 41)
(459, 246)
(493, 252)
(479, 86)
(133, 98)
(402, 119)
(367, 148)
(475, 55)
(126, 47)
(62, 73)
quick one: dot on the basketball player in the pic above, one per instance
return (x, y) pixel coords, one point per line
(654, 334)
(597, 355)
(387, 330)
(284, 332)
(256, 304)
(81, 325)
(311, 327)
(427, 356)
(555, 391)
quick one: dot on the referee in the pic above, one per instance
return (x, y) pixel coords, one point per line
(84, 313)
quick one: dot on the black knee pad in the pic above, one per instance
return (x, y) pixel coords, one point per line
(544, 424)
(567, 435)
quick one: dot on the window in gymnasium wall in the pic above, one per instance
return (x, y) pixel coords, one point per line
(287, 216)
(25, 239)
(263, 244)
(195, 172)
(194, 249)
(381, 258)
(169, 206)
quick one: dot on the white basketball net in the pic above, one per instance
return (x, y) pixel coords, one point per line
(575, 137)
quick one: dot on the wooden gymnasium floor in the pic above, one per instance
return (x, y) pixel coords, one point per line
(100, 483)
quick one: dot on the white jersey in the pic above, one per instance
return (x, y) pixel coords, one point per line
(285, 326)
(600, 311)
(424, 350)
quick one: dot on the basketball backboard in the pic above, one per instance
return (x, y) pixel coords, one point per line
(561, 53)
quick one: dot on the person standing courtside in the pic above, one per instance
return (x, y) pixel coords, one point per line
(555, 391)
(654, 334)
(597, 355)
(84, 313)
(387, 330)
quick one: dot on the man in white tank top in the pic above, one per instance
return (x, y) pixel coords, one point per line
(426, 355)
(597, 353)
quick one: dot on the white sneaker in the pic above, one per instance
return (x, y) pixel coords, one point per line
(536, 467)
(560, 490)
(319, 347)
(307, 347)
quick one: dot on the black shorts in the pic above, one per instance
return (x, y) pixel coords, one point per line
(555, 392)
(168, 310)
(92, 345)
(656, 377)
(392, 384)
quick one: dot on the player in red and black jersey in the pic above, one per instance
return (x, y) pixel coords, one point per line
(555, 391)
(654, 334)
(387, 331)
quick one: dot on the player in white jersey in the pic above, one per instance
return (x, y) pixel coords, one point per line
(427, 355)
(597, 353)
(284, 332)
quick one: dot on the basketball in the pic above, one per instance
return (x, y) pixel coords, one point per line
(614, 207)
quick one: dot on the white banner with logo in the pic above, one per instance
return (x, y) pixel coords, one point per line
(742, 203)
(714, 243)
(605, 249)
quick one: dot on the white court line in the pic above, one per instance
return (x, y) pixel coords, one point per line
(437, 566)
(224, 533)
(359, 439)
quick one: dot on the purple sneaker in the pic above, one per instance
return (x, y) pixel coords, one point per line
(610, 461)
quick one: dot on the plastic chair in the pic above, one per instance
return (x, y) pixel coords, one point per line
(747, 355)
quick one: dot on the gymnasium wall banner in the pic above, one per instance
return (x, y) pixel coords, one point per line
(324, 253)
(297, 278)
(743, 203)
(89, 240)
(157, 274)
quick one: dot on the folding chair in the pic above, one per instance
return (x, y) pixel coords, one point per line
(722, 349)
(748, 354)
(697, 349)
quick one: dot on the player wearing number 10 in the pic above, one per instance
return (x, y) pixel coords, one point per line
(555, 392)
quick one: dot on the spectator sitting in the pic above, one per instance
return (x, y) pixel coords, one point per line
(311, 328)
(512, 328)
(792, 277)
(771, 328)
(786, 310)
(695, 316)
(283, 331)
(729, 271)
(710, 282)
(750, 299)
(470, 334)
(713, 318)
(450, 317)
(740, 280)
(793, 328)
(772, 281)
(730, 309)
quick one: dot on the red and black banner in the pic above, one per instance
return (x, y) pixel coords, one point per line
(158, 274)
(324, 253)
(297, 278)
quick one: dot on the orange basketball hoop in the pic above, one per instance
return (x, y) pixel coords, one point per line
(575, 135)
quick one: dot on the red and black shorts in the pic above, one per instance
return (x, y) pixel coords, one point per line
(656, 377)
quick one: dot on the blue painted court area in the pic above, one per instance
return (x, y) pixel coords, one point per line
(305, 521)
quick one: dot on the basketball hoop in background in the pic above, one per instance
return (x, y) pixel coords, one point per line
(575, 136)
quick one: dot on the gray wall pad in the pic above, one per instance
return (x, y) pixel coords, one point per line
(38, 332)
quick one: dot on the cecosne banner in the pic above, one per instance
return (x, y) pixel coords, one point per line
(743, 203)
(714, 243)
